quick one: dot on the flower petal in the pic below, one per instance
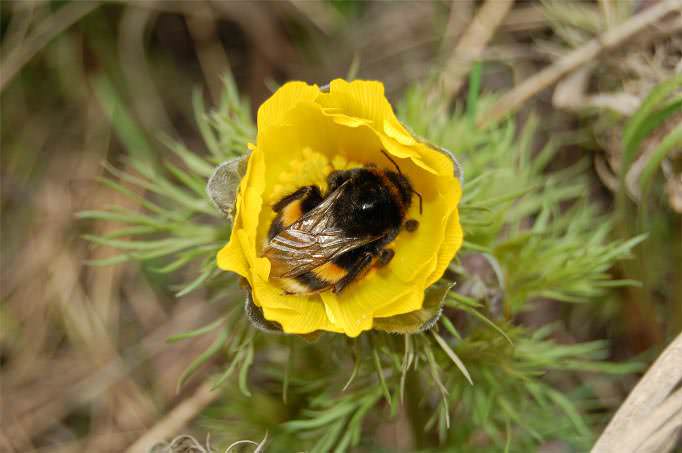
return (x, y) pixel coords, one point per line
(360, 98)
(250, 198)
(410, 302)
(296, 314)
(413, 321)
(309, 320)
(274, 110)
(231, 258)
(454, 237)
(437, 160)
(352, 311)
(397, 131)
(416, 252)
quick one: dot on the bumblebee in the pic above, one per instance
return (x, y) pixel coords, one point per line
(325, 242)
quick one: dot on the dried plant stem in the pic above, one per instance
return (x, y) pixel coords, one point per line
(658, 432)
(471, 44)
(210, 52)
(649, 407)
(82, 388)
(43, 34)
(615, 37)
(176, 419)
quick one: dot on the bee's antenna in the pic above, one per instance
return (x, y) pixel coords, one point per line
(392, 161)
(420, 200)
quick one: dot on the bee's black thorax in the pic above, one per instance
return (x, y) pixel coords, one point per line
(373, 203)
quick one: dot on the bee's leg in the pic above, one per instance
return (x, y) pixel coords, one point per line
(384, 257)
(290, 208)
(309, 193)
(411, 225)
(358, 269)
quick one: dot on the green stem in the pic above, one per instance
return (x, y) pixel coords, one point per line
(415, 413)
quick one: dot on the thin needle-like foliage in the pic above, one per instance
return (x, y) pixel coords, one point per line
(481, 380)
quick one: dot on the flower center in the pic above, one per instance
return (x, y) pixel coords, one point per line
(311, 169)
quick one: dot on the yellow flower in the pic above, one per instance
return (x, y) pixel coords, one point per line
(304, 133)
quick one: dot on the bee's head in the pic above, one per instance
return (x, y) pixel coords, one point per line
(404, 187)
(403, 184)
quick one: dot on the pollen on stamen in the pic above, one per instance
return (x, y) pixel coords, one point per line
(311, 168)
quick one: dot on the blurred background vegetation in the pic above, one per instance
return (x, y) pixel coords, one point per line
(110, 89)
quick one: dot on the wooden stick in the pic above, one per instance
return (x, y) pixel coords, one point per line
(609, 40)
(658, 429)
(472, 43)
(176, 419)
(648, 395)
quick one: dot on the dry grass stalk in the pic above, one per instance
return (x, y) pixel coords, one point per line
(571, 94)
(210, 52)
(472, 44)
(176, 419)
(585, 54)
(52, 26)
(648, 62)
(51, 379)
(652, 413)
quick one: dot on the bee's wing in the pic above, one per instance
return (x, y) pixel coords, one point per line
(311, 241)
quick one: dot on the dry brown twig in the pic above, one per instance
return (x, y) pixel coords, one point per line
(471, 44)
(579, 57)
(176, 419)
(652, 413)
(461, 12)
(573, 92)
(134, 27)
(41, 36)
(90, 385)
(210, 52)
